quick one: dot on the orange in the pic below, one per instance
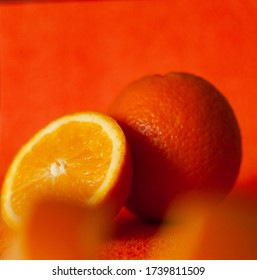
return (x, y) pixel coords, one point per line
(227, 232)
(81, 158)
(184, 138)
(230, 231)
(5, 236)
(61, 230)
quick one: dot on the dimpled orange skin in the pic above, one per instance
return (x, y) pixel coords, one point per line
(184, 139)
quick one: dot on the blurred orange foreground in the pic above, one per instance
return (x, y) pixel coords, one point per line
(58, 230)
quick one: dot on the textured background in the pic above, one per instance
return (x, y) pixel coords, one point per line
(64, 57)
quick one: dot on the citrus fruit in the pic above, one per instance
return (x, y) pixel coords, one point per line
(5, 236)
(228, 232)
(76, 232)
(184, 139)
(82, 158)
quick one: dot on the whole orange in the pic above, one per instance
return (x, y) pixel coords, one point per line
(184, 138)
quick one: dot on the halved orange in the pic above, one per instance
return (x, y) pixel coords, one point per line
(81, 158)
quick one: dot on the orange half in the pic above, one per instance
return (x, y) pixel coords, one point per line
(81, 158)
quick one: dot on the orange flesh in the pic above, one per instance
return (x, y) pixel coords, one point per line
(69, 163)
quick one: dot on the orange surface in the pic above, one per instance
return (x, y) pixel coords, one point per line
(58, 58)
(184, 140)
(229, 232)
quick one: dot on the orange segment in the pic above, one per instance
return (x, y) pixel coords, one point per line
(81, 158)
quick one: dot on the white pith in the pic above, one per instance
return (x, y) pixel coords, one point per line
(57, 168)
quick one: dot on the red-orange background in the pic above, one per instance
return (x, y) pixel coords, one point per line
(63, 57)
